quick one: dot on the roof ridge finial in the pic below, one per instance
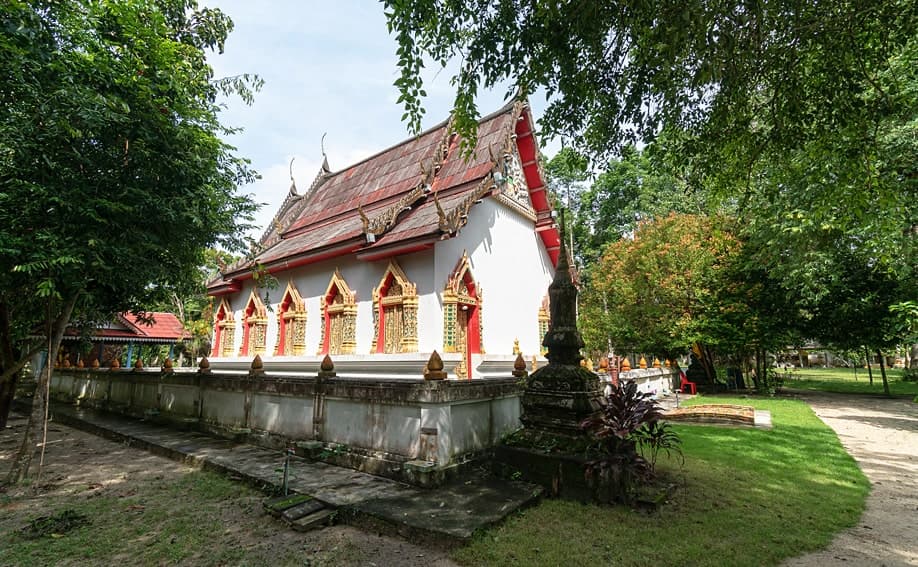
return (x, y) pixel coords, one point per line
(324, 155)
(292, 180)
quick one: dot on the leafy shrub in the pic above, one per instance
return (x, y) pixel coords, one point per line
(658, 436)
(625, 422)
(910, 375)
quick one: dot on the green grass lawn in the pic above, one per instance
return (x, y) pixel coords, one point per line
(849, 381)
(748, 497)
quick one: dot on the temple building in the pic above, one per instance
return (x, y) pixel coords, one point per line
(420, 247)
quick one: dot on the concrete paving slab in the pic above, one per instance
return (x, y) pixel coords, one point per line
(454, 512)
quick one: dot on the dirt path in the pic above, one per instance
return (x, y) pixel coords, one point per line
(882, 435)
(81, 468)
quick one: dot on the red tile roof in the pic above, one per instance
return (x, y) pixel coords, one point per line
(404, 198)
(153, 326)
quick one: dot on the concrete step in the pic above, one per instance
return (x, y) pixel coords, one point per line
(279, 504)
(315, 520)
(302, 510)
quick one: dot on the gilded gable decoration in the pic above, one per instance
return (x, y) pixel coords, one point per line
(339, 318)
(224, 330)
(454, 219)
(382, 222)
(291, 324)
(395, 313)
(507, 174)
(293, 204)
(254, 326)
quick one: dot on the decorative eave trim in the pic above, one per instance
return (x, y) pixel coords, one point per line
(458, 216)
(398, 248)
(294, 261)
(292, 198)
(516, 206)
(100, 338)
(534, 169)
(453, 220)
(224, 288)
(383, 222)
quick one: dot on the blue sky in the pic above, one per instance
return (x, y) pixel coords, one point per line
(328, 68)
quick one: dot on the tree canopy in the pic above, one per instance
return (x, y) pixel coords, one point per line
(797, 118)
(757, 101)
(617, 71)
(114, 178)
(665, 289)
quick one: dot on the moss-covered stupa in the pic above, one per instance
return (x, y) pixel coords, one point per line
(560, 395)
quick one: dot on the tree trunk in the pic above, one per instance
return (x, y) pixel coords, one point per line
(757, 377)
(707, 363)
(869, 369)
(763, 364)
(7, 362)
(913, 357)
(23, 460)
(7, 392)
(883, 373)
(754, 372)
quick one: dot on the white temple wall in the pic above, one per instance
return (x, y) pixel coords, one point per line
(362, 277)
(513, 269)
(508, 260)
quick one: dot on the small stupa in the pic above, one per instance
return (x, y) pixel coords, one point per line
(562, 393)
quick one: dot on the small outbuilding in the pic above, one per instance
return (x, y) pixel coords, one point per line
(121, 342)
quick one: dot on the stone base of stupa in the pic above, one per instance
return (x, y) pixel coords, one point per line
(558, 398)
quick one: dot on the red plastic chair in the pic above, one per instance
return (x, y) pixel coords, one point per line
(684, 383)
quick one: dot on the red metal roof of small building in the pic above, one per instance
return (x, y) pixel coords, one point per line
(402, 199)
(152, 326)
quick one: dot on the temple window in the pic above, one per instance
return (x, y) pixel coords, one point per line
(395, 313)
(462, 322)
(254, 326)
(339, 318)
(224, 330)
(291, 324)
(543, 324)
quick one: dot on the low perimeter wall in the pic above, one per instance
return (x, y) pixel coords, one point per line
(412, 430)
(656, 381)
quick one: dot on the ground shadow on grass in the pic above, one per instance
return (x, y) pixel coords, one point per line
(897, 388)
(748, 497)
